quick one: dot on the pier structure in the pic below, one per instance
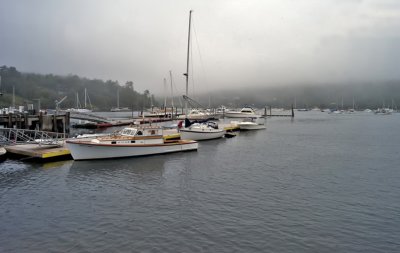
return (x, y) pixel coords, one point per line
(42, 121)
(268, 113)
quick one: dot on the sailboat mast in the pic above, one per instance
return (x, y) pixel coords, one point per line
(118, 98)
(13, 98)
(85, 98)
(187, 63)
(165, 93)
(172, 92)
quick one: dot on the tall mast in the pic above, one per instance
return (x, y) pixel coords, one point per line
(13, 98)
(172, 93)
(165, 93)
(187, 63)
(85, 98)
(118, 97)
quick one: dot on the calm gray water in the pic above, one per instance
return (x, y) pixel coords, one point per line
(319, 183)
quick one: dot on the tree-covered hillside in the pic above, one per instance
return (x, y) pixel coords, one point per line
(103, 94)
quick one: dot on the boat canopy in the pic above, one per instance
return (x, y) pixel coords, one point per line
(146, 131)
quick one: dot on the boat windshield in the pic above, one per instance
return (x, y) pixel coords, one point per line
(129, 131)
(246, 110)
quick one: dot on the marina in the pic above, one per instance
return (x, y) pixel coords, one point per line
(59, 150)
(284, 179)
(199, 126)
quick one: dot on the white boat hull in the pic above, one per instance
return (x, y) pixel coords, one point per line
(194, 117)
(240, 115)
(88, 151)
(3, 151)
(199, 135)
(249, 126)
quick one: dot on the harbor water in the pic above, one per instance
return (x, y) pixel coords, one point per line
(317, 183)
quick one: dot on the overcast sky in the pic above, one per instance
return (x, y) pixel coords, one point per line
(237, 43)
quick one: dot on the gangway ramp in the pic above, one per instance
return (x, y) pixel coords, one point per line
(89, 117)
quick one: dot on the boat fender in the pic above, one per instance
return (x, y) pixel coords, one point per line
(180, 124)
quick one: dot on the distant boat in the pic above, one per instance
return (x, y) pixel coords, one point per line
(246, 112)
(383, 111)
(120, 109)
(129, 142)
(78, 105)
(195, 114)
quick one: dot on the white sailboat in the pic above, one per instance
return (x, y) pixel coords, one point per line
(197, 131)
(119, 109)
(78, 104)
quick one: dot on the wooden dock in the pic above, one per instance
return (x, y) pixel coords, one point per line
(39, 151)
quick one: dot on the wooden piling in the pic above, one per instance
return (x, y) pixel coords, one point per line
(292, 111)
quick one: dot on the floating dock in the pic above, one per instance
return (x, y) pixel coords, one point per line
(39, 151)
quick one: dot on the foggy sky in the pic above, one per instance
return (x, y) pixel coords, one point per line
(241, 43)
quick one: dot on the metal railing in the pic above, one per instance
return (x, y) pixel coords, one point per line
(11, 136)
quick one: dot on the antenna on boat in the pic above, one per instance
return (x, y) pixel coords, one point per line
(187, 63)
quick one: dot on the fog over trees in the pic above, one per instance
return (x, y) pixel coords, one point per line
(103, 94)
(29, 87)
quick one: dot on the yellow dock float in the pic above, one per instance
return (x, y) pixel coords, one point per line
(38, 151)
(171, 134)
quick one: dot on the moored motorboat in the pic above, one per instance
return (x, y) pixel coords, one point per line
(128, 142)
(195, 114)
(246, 112)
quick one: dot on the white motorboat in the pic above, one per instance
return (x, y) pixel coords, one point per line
(250, 124)
(246, 112)
(383, 111)
(195, 114)
(128, 142)
(201, 131)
